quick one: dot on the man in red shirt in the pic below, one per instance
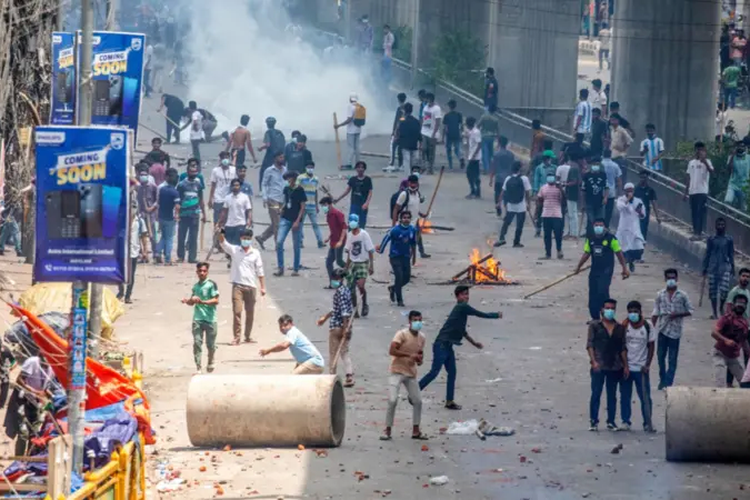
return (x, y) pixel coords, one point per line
(336, 238)
(730, 333)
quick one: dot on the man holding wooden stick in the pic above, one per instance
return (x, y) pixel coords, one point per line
(340, 326)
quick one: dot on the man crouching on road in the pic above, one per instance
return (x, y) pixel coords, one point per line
(308, 358)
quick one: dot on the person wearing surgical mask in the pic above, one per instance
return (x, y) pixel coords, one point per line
(632, 212)
(292, 213)
(360, 262)
(309, 182)
(739, 174)
(221, 177)
(640, 339)
(595, 194)
(248, 278)
(407, 353)
(730, 334)
(550, 201)
(671, 306)
(601, 247)
(608, 357)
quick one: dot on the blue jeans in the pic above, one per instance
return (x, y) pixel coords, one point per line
(488, 151)
(357, 209)
(387, 70)
(455, 146)
(598, 379)
(730, 96)
(643, 388)
(10, 231)
(667, 350)
(188, 228)
(442, 355)
(311, 212)
(167, 239)
(285, 226)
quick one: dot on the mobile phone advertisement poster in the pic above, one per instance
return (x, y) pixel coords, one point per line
(64, 81)
(117, 73)
(82, 203)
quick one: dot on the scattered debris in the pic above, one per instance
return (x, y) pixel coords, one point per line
(439, 480)
(228, 448)
(616, 449)
(301, 447)
(361, 476)
(536, 450)
(522, 459)
(170, 485)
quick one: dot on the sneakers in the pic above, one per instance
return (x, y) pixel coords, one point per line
(560, 255)
(389, 169)
(612, 427)
(649, 429)
(210, 368)
(392, 293)
(321, 244)
(279, 273)
(424, 255)
(198, 370)
(631, 266)
(625, 426)
(594, 427)
(517, 245)
(451, 405)
(499, 243)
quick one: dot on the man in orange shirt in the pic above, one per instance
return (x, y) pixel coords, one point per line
(241, 140)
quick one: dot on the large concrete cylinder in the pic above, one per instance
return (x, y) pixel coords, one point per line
(707, 425)
(266, 410)
(665, 57)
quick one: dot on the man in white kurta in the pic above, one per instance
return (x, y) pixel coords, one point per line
(631, 210)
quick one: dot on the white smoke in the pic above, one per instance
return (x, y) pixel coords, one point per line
(246, 63)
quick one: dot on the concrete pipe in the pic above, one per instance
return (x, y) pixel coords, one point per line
(707, 425)
(266, 410)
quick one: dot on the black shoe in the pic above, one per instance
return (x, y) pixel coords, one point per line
(631, 267)
(321, 244)
(392, 293)
(260, 243)
(451, 405)
(499, 243)
(279, 273)
(517, 245)
(365, 310)
(424, 255)
(401, 304)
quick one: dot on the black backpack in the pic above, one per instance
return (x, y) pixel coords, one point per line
(514, 189)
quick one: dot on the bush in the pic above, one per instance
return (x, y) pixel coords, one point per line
(459, 58)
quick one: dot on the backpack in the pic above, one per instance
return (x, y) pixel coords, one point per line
(514, 189)
(360, 115)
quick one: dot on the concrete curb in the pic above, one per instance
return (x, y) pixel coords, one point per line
(670, 239)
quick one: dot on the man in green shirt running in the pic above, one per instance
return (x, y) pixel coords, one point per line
(729, 80)
(204, 297)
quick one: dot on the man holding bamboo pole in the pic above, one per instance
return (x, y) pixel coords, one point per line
(340, 326)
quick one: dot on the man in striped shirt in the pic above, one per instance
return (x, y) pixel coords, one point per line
(652, 148)
(582, 118)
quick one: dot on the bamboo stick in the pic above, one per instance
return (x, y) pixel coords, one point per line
(556, 282)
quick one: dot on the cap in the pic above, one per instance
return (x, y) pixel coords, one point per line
(629, 185)
(353, 97)
(270, 119)
(548, 154)
(353, 218)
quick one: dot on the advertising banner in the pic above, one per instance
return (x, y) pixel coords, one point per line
(82, 203)
(64, 81)
(117, 73)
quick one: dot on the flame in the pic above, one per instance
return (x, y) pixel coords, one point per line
(426, 226)
(490, 265)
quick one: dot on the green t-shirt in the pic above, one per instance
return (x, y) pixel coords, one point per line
(731, 77)
(489, 125)
(205, 290)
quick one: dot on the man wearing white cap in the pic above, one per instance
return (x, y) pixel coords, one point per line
(354, 122)
(629, 234)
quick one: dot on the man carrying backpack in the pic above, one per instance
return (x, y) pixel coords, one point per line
(410, 199)
(516, 191)
(354, 122)
(273, 143)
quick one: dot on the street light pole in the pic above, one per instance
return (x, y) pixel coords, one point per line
(415, 43)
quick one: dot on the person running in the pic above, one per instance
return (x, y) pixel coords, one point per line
(550, 202)
(272, 190)
(647, 195)
(221, 177)
(718, 266)
(273, 144)
(629, 235)
(240, 141)
(308, 359)
(247, 276)
(340, 327)
(452, 334)
(407, 352)
(730, 334)
(607, 351)
(169, 215)
(336, 236)
(640, 341)
(432, 118)
(601, 247)
(192, 212)
(408, 137)
(403, 241)
(670, 307)
(360, 186)
(204, 298)
(359, 262)
(515, 193)
(474, 156)
(175, 109)
(309, 182)
(454, 124)
(291, 221)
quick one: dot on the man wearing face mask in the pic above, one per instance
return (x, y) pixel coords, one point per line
(309, 182)
(340, 327)
(403, 240)
(601, 247)
(221, 177)
(336, 236)
(246, 274)
(147, 206)
(629, 233)
(299, 157)
(272, 190)
(191, 212)
(549, 207)
(359, 262)
(730, 334)
(291, 146)
(595, 194)
(670, 307)
(407, 352)
(237, 214)
(718, 265)
(640, 340)
(607, 350)
(739, 173)
(291, 221)
(411, 199)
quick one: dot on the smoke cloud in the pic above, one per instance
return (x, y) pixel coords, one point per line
(247, 61)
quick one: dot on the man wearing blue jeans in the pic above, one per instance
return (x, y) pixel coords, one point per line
(291, 220)
(452, 333)
(169, 209)
(309, 182)
(670, 307)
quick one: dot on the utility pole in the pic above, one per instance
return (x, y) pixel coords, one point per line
(113, 8)
(415, 43)
(60, 15)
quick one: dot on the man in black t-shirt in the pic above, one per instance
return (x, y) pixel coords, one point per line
(599, 133)
(299, 157)
(291, 220)
(175, 109)
(647, 195)
(408, 137)
(156, 155)
(453, 122)
(394, 143)
(595, 194)
(360, 186)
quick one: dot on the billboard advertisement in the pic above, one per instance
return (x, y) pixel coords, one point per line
(64, 81)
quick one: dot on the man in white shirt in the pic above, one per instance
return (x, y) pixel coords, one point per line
(359, 261)
(237, 213)
(388, 40)
(473, 158)
(353, 130)
(640, 339)
(195, 122)
(246, 274)
(652, 148)
(582, 118)
(516, 191)
(432, 118)
(699, 171)
(221, 177)
(136, 249)
(598, 97)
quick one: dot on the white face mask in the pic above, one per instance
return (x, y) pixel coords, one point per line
(224, 162)
(246, 243)
(310, 171)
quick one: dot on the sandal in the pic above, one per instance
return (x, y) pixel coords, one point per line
(385, 437)
(421, 436)
(451, 405)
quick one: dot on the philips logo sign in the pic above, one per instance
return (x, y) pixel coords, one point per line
(50, 137)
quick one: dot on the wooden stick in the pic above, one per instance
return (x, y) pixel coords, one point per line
(528, 211)
(170, 120)
(468, 268)
(344, 341)
(434, 193)
(556, 282)
(376, 155)
(486, 272)
(703, 289)
(338, 141)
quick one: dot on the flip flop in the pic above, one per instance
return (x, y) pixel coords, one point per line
(420, 437)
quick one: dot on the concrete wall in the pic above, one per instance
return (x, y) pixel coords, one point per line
(665, 63)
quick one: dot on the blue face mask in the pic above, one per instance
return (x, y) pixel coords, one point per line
(594, 168)
(609, 314)
(287, 184)
(550, 179)
(634, 317)
(599, 230)
(246, 243)
(224, 162)
(325, 209)
(353, 224)
(405, 224)
(144, 178)
(416, 325)
(671, 283)
(335, 283)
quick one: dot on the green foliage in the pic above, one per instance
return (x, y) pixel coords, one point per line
(459, 58)
(676, 168)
